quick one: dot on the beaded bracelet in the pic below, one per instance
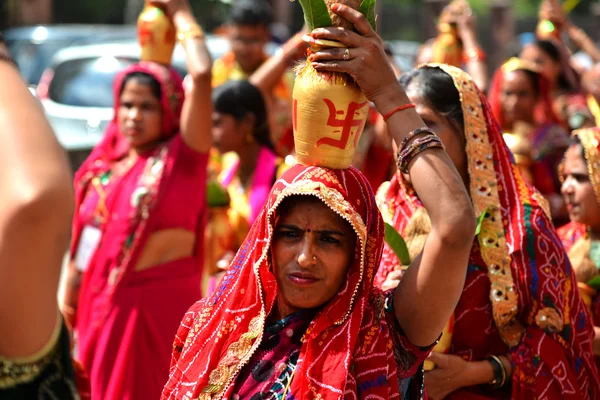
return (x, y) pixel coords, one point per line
(415, 148)
(192, 31)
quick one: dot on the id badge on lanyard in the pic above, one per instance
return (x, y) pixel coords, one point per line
(88, 243)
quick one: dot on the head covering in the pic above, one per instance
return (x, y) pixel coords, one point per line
(531, 283)
(226, 328)
(544, 112)
(575, 235)
(590, 141)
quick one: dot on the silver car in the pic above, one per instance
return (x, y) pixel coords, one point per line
(76, 91)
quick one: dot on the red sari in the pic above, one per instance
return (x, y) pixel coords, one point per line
(126, 319)
(520, 296)
(352, 347)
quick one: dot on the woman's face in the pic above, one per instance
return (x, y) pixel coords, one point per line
(312, 250)
(447, 130)
(550, 68)
(139, 115)
(518, 98)
(228, 133)
(578, 191)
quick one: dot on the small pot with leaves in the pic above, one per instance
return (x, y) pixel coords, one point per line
(330, 111)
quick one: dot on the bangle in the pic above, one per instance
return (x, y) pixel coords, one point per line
(193, 31)
(417, 146)
(500, 373)
(412, 135)
(476, 54)
(398, 109)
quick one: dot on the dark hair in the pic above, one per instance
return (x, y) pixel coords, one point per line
(240, 98)
(552, 51)
(143, 79)
(438, 90)
(251, 12)
(534, 78)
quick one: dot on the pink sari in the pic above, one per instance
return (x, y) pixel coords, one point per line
(126, 319)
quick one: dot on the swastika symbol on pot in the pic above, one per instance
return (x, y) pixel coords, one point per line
(347, 123)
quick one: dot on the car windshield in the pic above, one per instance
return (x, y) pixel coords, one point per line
(33, 58)
(86, 82)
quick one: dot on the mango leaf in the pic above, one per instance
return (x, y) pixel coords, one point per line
(216, 194)
(480, 220)
(367, 8)
(595, 283)
(315, 14)
(397, 244)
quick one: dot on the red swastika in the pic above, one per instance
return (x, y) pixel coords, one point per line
(346, 124)
(145, 34)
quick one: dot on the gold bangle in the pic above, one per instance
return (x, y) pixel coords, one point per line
(193, 31)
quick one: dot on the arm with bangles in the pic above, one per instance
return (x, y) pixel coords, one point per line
(432, 285)
(196, 116)
(36, 208)
(552, 10)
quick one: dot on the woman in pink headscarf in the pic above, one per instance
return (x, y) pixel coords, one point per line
(138, 224)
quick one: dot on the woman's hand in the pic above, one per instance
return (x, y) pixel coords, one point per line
(392, 280)
(363, 58)
(449, 375)
(172, 7)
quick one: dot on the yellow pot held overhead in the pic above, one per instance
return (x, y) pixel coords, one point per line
(329, 109)
(156, 35)
(329, 117)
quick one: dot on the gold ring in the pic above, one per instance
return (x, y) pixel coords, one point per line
(346, 54)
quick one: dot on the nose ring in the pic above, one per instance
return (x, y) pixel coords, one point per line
(314, 258)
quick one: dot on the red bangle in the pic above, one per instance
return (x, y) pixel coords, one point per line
(398, 109)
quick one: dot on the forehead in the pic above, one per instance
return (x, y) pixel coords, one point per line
(301, 209)
(133, 87)
(248, 30)
(574, 161)
(517, 77)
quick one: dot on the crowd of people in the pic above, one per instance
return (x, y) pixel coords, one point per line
(210, 260)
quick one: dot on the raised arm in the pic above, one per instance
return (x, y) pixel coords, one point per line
(432, 285)
(196, 117)
(269, 74)
(36, 205)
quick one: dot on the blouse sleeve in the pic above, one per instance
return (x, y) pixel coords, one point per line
(51, 368)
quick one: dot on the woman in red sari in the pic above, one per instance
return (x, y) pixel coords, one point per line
(138, 225)
(520, 305)
(520, 99)
(296, 315)
(581, 188)
(552, 58)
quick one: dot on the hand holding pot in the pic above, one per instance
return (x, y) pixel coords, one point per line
(362, 57)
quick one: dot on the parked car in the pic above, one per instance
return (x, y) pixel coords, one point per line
(76, 90)
(405, 53)
(33, 47)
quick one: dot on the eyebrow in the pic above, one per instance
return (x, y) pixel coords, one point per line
(322, 231)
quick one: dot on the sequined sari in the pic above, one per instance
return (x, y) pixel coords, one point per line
(352, 347)
(520, 296)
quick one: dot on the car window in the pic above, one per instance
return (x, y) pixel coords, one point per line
(33, 58)
(86, 82)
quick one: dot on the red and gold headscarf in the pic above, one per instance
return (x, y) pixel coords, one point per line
(347, 341)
